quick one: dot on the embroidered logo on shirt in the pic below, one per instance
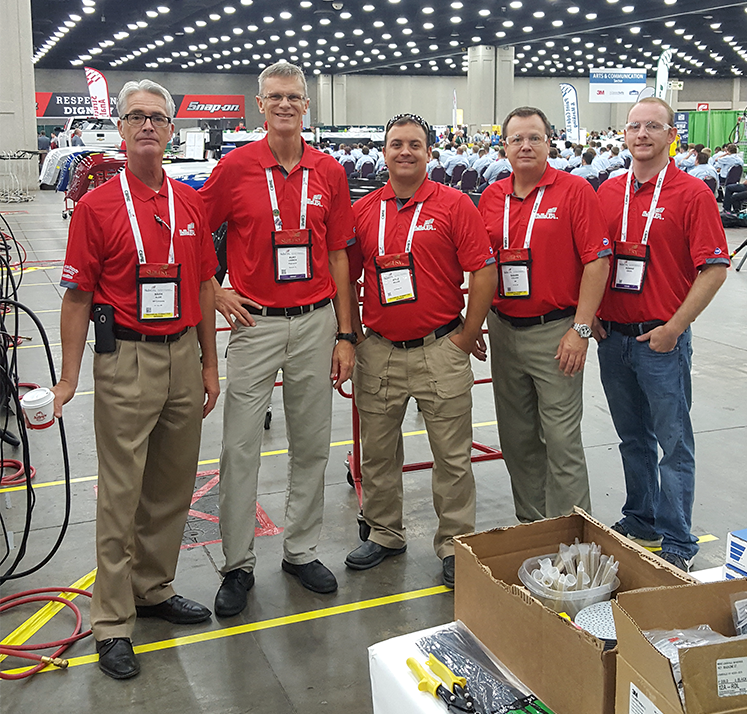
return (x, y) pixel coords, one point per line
(717, 251)
(549, 214)
(68, 272)
(188, 231)
(316, 201)
(657, 213)
(427, 226)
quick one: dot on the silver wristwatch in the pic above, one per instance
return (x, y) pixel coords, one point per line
(583, 330)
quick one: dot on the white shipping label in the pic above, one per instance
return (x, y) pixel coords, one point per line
(731, 676)
(640, 703)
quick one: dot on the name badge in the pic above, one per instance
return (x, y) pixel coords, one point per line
(631, 261)
(396, 278)
(158, 292)
(515, 273)
(292, 255)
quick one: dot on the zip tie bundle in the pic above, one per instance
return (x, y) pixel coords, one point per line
(580, 566)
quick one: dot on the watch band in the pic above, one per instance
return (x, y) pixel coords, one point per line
(351, 337)
(583, 330)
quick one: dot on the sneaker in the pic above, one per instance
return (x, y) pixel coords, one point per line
(448, 571)
(677, 560)
(623, 531)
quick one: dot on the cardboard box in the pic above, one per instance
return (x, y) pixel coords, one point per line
(731, 572)
(736, 549)
(714, 676)
(566, 668)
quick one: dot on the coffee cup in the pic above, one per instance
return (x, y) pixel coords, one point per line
(38, 406)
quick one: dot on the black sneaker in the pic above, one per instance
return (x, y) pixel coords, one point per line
(448, 571)
(677, 560)
(623, 531)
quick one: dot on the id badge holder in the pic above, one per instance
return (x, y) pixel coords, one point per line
(629, 267)
(395, 276)
(159, 296)
(515, 272)
(291, 252)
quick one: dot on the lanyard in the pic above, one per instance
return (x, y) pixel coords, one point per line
(133, 218)
(651, 210)
(274, 199)
(530, 227)
(410, 233)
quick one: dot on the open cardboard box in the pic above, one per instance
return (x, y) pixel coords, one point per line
(565, 667)
(714, 676)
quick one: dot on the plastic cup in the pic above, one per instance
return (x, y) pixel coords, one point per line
(38, 406)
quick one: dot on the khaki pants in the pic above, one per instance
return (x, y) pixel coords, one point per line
(539, 413)
(439, 377)
(148, 417)
(302, 346)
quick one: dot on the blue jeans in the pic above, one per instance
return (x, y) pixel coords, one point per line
(649, 395)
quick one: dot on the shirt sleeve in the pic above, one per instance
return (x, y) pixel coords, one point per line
(340, 222)
(470, 236)
(83, 264)
(590, 234)
(704, 229)
(208, 259)
(217, 195)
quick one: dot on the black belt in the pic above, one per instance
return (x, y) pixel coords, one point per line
(539, 320)
(286, 311)
(125, 333)
(632, 329)
(440, 332)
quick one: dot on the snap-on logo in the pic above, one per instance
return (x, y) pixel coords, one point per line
(68, 272)
(427, 226)
(549, 214)
(657, 213)
(316, 201)
(212, 108)
(188, 231)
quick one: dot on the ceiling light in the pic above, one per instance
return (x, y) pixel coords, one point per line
(455, 19)
(200, 23)
(89, 10)
(557, 23)
(368, 8)
(427, 25)
(229, 10)
(628, 8)
(573, 10)
(591, 16)
(214, 17)
(286, 15)
(515, 4)
(151, 13)
(635, 30)
(246, 2)
(508, 23)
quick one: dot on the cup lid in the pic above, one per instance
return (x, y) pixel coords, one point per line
(36, 398)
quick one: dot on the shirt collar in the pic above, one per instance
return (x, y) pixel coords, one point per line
(424, 191)
(548, 178)
(268, 161)
(143, 192)
(668, 177)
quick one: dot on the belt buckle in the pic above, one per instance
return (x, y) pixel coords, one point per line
(293, 311)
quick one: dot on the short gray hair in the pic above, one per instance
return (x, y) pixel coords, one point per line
(283, 69)
(144, 85)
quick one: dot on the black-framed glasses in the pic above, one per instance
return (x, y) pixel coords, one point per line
(138, 119)
(413, 117)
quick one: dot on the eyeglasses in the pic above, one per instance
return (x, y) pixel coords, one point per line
(277, 98)
(412, 117)
(534, 139)
(653, 127)
(137, 119)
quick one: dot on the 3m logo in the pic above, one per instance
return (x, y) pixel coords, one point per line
(212, 108)
(549, 214)
(427, 226)
(316, 201)
(657, 214)
(188, 231)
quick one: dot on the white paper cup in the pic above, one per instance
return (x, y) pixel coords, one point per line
(38, 406)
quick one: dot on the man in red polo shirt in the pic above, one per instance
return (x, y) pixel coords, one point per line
(415, 239)
(670, 258)
(140, 254)
(289, 221)
(547, 230)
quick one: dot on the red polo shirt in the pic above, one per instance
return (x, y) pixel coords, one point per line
(237, 192)
(449, 240)
(685, 235)
(568, 233)
(101, 257)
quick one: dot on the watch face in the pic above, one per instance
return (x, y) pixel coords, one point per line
(583, 330)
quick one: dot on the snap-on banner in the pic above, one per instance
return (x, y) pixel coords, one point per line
(188, 106)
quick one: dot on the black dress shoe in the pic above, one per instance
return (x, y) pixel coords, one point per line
(230, 599)
(370, 554)
(313, 576)
(117, 658)
(176, 609)
(448, 571)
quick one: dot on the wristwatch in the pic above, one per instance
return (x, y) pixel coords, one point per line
(351, 337)
(583, 330)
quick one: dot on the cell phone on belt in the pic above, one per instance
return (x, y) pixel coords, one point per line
(103, 327)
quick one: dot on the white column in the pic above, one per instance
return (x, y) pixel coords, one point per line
(480, 87)
(322, 113)
(17, 94)
(504, 83)
(735, 91)
(340, 99)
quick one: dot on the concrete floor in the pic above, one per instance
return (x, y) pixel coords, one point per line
(292, 650)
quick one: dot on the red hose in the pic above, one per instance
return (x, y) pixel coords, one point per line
(18, 477)
(27, 651)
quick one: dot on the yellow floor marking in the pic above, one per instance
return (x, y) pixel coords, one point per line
(708, 538)
(262, 625)
(24, 632)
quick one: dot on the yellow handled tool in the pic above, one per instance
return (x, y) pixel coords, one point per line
(446, 675)
(426, 682)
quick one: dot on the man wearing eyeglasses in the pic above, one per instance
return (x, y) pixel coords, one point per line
(140, 260)
(546, 225)
(415, 239)
(670, 258)
(289, 221)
